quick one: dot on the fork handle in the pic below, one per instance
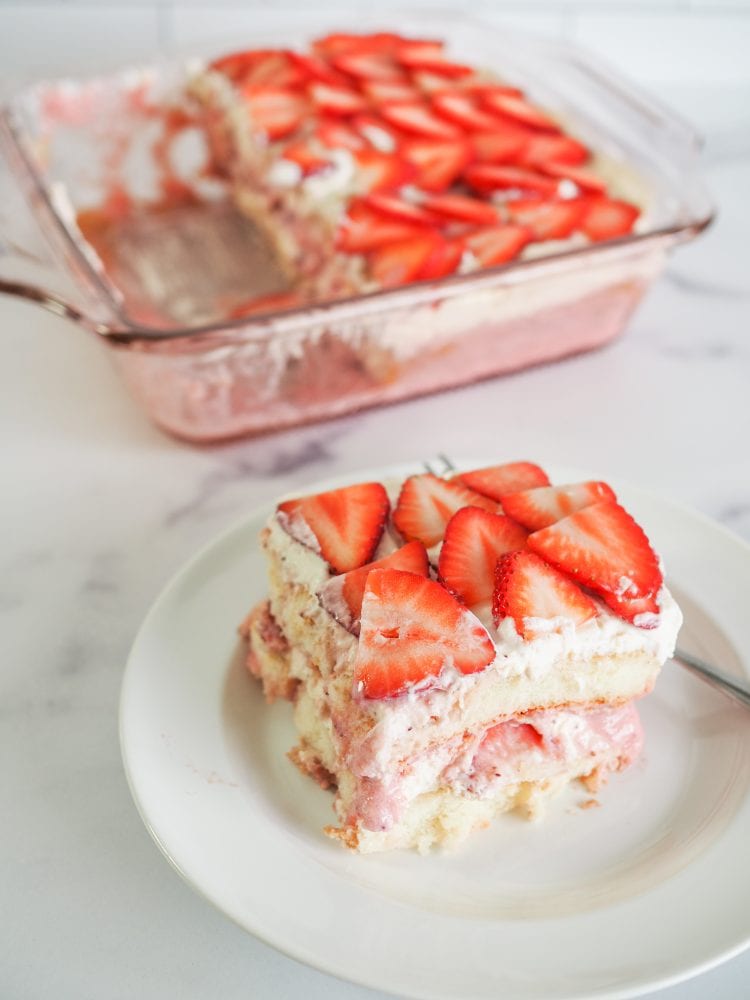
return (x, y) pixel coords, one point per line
(733, 686)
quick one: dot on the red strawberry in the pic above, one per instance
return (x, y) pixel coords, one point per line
(583, 179)
(387, 91)
(498, 99)
(548, 220)
(381, 171)
(236, 65)
(541, 149)
(336, 100)
(368, 66)
(364, 230)
(263, 67)
(315, 68)
(347, 523)
(342, 595)
(606, 219)
(604, 549)
(428, 82)
(411, 629)
(536, 596)
(443, 259)
(338, 42)
(497, 244)
(426, 504)
(402, 262)
(336, 134)
(305, 157)
(438, 163)
(540, 507)
(495, 480)
(377, 132)
(474, 541)
(500, 146)
(640, 611)
(275, 110)
(488, 177)
(461, 207)
(413, 116)
(397, 208)
(462, 109)
(428, 56)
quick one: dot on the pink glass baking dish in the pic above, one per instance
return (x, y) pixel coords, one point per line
(161, 286)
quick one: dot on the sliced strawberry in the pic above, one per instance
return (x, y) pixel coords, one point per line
(606, 219)
(261, 67)
(488, 177)
(474, 541)
(438, 163)
(387, 91)
(342, 595)
(442, 260)
(541, 149)
(275, 110)
(495, 480)
(427, 81)
(604, 549)
(461, 207)
(426, 504)
(539, 507)
(339, 42)
(501, 101)
(336, 100)
(501, 146)
(336, 134)
(536, 596)
(586, 180)
(368, 66)
(363, 230)
(548, 220)
(497, 244)
(428, 56)
(397, 208)
(413, 116)
(305, 157)
(315, 68)
(399, 263)
(411, 629)
(462, 109)
(377, 132)
(381, 171)
(640, 611)
(347, 523)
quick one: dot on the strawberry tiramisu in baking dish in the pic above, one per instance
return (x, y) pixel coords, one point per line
(456, 648)
(375, 160)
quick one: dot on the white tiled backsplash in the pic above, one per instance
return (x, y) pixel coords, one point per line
(670, 46)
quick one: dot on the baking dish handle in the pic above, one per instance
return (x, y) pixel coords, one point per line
(33, 263)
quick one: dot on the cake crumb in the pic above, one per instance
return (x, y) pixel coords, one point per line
(589, 804)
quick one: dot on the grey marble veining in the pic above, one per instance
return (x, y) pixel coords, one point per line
(99, 509)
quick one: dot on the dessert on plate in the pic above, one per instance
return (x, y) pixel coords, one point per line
(458, 648)
(374, 160)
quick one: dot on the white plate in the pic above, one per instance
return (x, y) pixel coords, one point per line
(648, 889)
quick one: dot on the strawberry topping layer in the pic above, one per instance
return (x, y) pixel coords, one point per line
(477, 164)
(544, 560)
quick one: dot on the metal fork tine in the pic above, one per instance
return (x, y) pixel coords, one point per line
(445, 466)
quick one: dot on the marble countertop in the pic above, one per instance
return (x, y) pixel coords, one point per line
(100, 509)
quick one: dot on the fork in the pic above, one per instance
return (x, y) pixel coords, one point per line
(737, 689)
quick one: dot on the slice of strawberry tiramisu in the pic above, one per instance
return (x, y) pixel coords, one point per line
(456, 648)
(374, 160)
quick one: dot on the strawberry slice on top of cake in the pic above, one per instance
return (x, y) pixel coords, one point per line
(373, 160)
(456, 648)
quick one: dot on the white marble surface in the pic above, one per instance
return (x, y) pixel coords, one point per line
(99, 509)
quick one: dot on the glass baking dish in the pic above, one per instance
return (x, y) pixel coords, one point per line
(160, 286)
